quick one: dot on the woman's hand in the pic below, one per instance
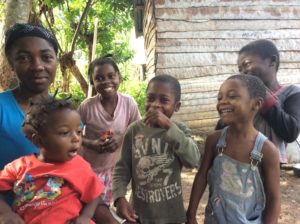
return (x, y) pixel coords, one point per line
(10, 218)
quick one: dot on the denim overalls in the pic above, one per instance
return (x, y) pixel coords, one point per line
(236, 191)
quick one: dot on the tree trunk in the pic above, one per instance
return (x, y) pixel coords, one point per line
(16, 11)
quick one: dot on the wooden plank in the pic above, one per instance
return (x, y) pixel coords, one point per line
(198, 115)
(180, 60)
(193, 3)
(196, 108)
(195, 72)
(229, 12)
(234, 34)
(215, 45)
(212, 70)
(209, 24)
(194, 59)
(202, 123)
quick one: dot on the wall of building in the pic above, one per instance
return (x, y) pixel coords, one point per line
(197, 42)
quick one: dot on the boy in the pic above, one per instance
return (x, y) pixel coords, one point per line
(154, 150)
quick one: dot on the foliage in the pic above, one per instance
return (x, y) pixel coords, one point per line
(137, 90)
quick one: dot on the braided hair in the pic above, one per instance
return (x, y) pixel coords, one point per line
(20, 30)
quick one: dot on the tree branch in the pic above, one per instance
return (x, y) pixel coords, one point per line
(52, 31)
(88, 4)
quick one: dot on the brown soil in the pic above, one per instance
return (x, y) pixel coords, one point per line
(290, 196)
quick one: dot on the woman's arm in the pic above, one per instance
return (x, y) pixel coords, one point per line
(7, 216)
(271, 174)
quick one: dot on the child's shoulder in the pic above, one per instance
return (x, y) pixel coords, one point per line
(128, 99)
(213, 138)
(269, 149)
(90, 100)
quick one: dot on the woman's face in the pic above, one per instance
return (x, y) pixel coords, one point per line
(264, 69)
(34, 61)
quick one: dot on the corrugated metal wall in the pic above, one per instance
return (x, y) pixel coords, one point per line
(197, 41)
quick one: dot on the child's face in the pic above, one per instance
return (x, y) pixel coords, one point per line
(34, 61)
(61, 139)
(254, 64)
(106, 80)
(160, 96)
(234, 102)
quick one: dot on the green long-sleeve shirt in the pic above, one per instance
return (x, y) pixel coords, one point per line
(152, 159)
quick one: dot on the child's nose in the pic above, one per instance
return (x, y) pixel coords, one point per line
(76, 136)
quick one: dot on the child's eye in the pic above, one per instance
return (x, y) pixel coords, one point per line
(79, 131)
(150, 98)
(232, 96)
(99, 78)
(164, 100)
(63, 133)
(112, 76)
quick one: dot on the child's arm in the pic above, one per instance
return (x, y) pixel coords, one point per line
(271, 173)
(122, 176)
(7, 216)
(103, 214)
(183, 145)
(200, 180)
(87, 212)
(286, 115)
(179, 135)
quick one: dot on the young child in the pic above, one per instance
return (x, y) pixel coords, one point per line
(154, 151)
(52, 186)
(106, 117)
(240, 165)
(279, 118)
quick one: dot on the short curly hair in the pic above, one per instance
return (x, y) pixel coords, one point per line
(38, 115)
(255, 86)
(262, 48)
(175, 85)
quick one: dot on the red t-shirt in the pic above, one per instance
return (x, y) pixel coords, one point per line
(47, 192)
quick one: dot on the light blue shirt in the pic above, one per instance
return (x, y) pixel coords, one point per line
(13, 143)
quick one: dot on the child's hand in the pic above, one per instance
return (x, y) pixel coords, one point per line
(124, 210)
(80, 220)
(155, 118)
(10, 218)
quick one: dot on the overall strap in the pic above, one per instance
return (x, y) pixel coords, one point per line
(221, 142)
(256, 151)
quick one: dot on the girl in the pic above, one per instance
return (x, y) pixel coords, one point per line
(236, 160)
(50, 187)
(31, 51)
(261, 58)
(106, 117)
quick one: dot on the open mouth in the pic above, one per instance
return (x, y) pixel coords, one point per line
(225, 111)
(108, 89)
(73, 153)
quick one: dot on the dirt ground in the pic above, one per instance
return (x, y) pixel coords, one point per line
(290, 196)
